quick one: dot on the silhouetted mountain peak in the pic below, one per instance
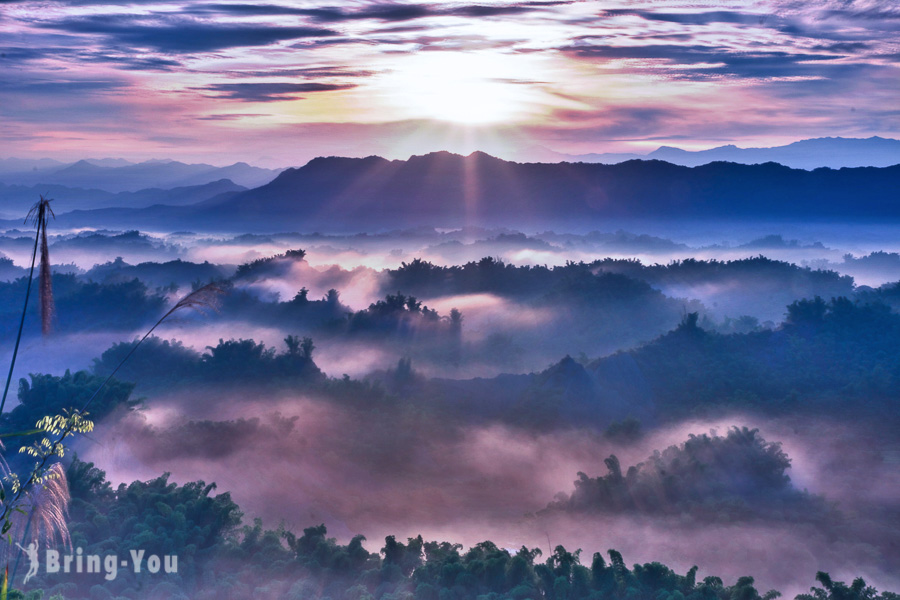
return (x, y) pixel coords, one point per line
(567, 375)
(483, 156)
(109, 162)
(82, 165)
(441, 156)
(330, 163)
(567, 368)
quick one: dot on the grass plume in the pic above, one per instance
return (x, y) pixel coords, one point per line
(203, 299)
(48, 505)
(41, 514)
(44, 513)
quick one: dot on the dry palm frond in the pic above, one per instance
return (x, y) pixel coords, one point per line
(46, 286)
(39, 215)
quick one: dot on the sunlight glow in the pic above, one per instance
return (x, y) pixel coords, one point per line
(465, 88)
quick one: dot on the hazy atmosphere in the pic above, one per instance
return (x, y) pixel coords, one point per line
(280, 83)
(450, 301)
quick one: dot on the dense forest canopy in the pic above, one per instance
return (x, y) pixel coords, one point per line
(486, 387)
(222, 557)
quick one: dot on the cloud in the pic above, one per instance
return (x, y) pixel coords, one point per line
(810, 61)
(871, 14)
(612, 122)
(691, 18)
(271, 92)
(59, 87)
(842, 47)
(690, 54)
(142, 63)
(702, 62)
(23, 53)
(230, 116)
(793, 20)
(389, 12)
(179, 35)
(127, 61)
(307, 72)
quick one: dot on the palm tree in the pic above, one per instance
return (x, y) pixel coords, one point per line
(39, 214)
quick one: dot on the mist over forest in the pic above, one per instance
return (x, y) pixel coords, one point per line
(670, 408)
(430, 300)
(686, 399)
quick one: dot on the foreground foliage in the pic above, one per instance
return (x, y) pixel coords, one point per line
(222, 559)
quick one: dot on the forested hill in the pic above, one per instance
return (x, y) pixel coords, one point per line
(836, 357)
(448, 188)
(452, 187)
(444, 189)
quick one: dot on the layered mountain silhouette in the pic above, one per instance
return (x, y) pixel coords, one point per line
(117, 175)
(452, 190)
(17, 199)
(806, 154)
(448, 190)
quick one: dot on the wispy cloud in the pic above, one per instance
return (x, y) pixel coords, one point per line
(272, 91)
(388, 12)
(700, 62)
(230, 116)
(176, 34)
(575, 75)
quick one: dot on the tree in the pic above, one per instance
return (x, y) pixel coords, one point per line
(293, 345)
(39, 215)
(307, 347)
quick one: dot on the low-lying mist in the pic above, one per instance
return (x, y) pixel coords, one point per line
(382, 470)
(433, 396)
(819, 245)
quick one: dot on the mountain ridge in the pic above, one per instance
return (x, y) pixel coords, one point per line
(17, 199)
(449, 190)
(808, 154)
(110, 175)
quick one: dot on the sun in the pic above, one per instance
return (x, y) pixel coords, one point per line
(465, 88)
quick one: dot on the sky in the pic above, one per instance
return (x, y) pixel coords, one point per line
(276, 83)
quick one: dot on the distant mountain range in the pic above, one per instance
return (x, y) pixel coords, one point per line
(448, 190)
(806, 154)
(17, 199)
(118, 175)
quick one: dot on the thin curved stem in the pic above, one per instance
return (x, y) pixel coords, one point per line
(12, 363)
(199, 298)
(119, 366)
